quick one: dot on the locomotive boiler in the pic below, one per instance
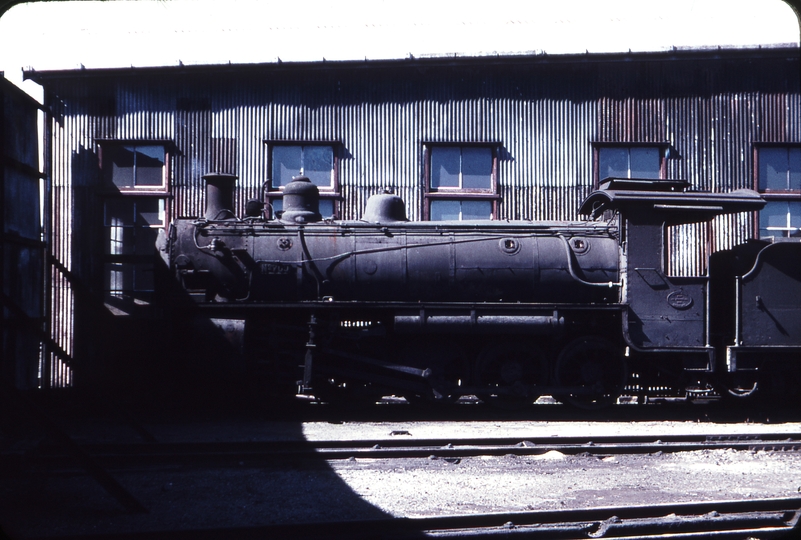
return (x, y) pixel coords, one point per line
(503, 310)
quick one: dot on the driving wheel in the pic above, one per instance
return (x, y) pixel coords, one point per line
(595, 369)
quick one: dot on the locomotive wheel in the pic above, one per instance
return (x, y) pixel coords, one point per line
(347, 395)
(509, 373)
(596, 364)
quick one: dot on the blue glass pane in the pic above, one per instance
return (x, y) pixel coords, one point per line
(149, 165)
(645, 163)
(318, 165)
(476, 210)
(795, 169)
(120, 212)
(143, 277)
(145, 240)
(287, 163)
(119, 277)
(773, 169)
(444, 167)
(121, 164)
(150, 212)
(327, 208)
(477, 168)
(773, 219)
(794, 209)
(445, 210)
(277, 206)
(613, 163)
(120, 240)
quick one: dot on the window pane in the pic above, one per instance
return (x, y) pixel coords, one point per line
(794, 208)
(476, 210)
(119, 212)
(644, 163)
(119, 240)
(145, 240)
(122, 163)
(444, 167)
(277, 205)
(773, 169)
(460, 210)
(318, 165)
(476, 168)
(613, 163)
(119, 278)
(795, 169)
(773, 219)
(287, 163)
(143, 277)
(327, 208)
(149, 166)
(150, 212)
(445, 210)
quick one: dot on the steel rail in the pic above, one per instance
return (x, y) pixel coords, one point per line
(758, 518)
(402, 447)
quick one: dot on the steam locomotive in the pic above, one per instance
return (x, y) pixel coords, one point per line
(503, 310)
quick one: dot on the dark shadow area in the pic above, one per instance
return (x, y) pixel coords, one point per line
(54, 497)
(715, 410)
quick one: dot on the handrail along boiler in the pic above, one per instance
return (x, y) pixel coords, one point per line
(504, 310)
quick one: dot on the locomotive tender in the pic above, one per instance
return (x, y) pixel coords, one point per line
(503, 310)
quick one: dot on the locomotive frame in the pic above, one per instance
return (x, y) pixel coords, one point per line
(506, 311)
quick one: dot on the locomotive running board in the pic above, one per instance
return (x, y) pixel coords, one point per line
(478, 322)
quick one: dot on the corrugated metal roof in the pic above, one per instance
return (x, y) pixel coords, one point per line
(250, 31)
(754, 54)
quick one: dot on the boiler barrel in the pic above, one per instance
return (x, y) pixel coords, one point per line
(407, 265)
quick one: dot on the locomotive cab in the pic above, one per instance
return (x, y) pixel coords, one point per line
(691, 319)
(664, 313)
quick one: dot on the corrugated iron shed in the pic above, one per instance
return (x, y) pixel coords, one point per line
(546, 116)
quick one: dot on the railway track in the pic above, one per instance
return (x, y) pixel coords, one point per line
(400, 446)
(761, 518)
(748, 518)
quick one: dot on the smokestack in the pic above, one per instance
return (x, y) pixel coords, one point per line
(219, 196)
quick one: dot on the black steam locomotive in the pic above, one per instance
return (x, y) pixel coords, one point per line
(504, 310)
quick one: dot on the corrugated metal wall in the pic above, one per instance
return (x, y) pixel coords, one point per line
(545, 116)
(545, 113)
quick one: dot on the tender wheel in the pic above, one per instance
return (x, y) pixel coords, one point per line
(597, 366)
(509, 374)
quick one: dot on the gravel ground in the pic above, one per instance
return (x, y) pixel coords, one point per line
(37, 502)
(553, 481)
